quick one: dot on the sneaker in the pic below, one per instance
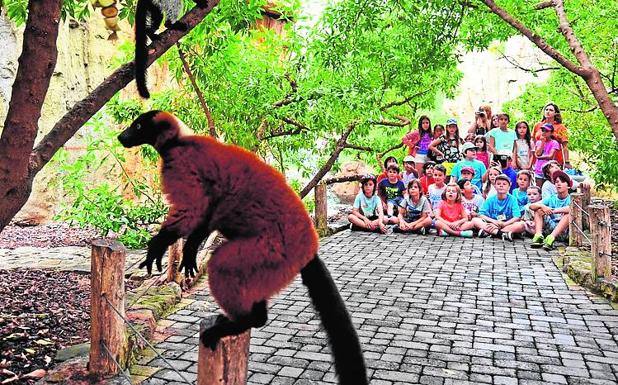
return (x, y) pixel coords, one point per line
(442, 233)
(507, 236)
(548, 243)
(483, 234)
(466, 234)
(396, 229)
(423, 231)
(537, 241)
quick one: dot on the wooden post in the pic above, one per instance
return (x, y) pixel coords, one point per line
(228, 363)
(600, 229)
(321, 209)
(107, 327)
(174, 255)
(575, 235)
(585, 189)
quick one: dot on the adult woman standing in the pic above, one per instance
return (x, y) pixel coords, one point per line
(482, 121)
(551, 115)
(418, 143)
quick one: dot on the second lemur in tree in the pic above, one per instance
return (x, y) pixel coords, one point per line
(148, 17)
(271, 238)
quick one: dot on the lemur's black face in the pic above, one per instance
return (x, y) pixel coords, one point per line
(142, 131)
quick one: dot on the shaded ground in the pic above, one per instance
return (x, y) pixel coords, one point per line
(41, 312)
(54, 234)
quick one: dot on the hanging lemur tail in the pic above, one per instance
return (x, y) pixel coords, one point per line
(141, 52)
(346, 349)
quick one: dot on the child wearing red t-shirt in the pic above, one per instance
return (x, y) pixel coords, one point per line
(451, 216)
(427, 177)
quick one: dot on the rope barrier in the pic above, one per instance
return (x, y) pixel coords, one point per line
(146, 341)
(581, 208)
(126, 377)
(581, 231)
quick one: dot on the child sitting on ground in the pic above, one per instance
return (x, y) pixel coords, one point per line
(552, 214)
(390, 160)
(470, 200)
(427, 178)
(490, 188)
(414, 211)
(391, 191)
(435, 190)
(451, 216)
(527, 215)
(367, 212)
(499, 216)
(524, 178)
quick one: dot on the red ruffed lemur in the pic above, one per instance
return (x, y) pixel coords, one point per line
(214, 186)
(148, 17)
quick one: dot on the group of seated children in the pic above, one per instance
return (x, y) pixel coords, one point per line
(508, 206)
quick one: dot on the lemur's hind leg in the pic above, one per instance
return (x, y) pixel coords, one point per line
(225, 327)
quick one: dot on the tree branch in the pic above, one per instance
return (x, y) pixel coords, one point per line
(544, 5)
(74, 119)
(403, 121)
(359, 148)
(200, 95)
(299, 128)
(394, 147)
(340, 179)
(514, 63)
(536, 39)
(341, 143)
(404, 101)
(569, 35)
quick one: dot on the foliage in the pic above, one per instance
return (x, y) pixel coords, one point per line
(105, 207)
(595, 25)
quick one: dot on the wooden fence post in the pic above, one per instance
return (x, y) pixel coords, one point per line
(228, 363)
(585, 189)
(174, 255)
(600, 229)
(321, 209)
(107, 290)
(575, 235)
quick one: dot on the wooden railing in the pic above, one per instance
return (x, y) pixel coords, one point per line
(596, 218)
(321, 205)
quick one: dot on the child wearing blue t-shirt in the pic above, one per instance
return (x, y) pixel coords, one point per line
(524, 178)
(500, 214)
(367, 212)
(552, 214)
(391, 192)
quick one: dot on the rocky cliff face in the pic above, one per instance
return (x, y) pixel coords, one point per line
(491, 79)
(83, 62)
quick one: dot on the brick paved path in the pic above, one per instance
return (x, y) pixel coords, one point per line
(428, 310)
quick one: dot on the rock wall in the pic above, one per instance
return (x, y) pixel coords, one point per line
(491, 79)
(83, 60)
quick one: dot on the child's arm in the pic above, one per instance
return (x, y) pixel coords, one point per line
(540, 147)
(423, 216)
(540, 206)
(514, 158)
(562, 210)
(491, 145)
(488, 219)
(433, 148)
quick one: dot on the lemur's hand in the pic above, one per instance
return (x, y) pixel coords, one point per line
(190, 266)
(155, 253)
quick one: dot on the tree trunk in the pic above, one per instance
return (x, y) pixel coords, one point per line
(19, 163)
(586, 70)
(36, 66)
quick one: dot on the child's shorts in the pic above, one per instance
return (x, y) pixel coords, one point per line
(395, 201)
(549, 225)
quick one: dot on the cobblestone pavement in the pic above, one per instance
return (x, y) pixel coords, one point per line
(428, 310)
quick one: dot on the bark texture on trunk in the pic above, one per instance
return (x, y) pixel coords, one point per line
(19, 162)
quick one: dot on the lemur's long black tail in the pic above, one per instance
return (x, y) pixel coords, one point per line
(141, 52)
(346, 349)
